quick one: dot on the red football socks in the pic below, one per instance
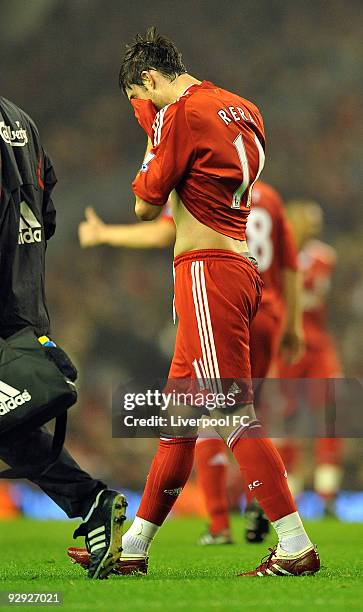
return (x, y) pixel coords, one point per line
(211, 463)
(168, 474)
(265, 474)
(260, 464)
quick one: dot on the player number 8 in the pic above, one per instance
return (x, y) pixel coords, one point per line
(259, 226)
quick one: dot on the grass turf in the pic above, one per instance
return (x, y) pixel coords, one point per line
(184, 576)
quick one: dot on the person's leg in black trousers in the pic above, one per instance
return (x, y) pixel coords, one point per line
(65, 482)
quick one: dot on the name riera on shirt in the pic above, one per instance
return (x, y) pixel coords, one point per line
(234, 113)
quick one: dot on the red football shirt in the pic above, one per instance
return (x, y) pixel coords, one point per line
(145, 113)
(209, 146)
(270, 240)
(269, 235)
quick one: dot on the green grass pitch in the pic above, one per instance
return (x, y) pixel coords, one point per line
(184, 576)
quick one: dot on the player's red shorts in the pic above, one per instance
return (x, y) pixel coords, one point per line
(217, 294)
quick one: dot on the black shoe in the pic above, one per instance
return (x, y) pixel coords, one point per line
(257, 524)
(103, 533)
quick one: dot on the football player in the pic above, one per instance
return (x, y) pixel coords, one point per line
(208, 145)
(320, 359)
(276, 323)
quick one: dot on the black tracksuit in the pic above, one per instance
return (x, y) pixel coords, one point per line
(27, 222)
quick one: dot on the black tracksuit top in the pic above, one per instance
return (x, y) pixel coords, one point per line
(27, 222)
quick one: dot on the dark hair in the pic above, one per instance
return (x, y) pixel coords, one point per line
(150, 51)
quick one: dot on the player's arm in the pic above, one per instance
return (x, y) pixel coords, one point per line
(292, 341)
(93, 232)
(164, 165)
(47, 180)
(145, 211)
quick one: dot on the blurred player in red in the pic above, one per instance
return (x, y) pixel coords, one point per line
(208, 144)
(319, 360)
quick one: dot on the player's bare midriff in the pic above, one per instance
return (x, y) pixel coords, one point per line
(191, 235)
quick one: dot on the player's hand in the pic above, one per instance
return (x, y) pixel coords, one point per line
(292, 345)
(90, 230)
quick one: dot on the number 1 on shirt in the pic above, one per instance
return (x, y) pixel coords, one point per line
(242, 155)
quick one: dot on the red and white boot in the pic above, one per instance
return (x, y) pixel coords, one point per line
(132, 564)
(281, 563)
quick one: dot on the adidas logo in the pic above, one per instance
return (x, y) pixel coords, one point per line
(11, 398)
(234, 389)
(30, 230)
(173, 492)
(97, 539)
(219, 459)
